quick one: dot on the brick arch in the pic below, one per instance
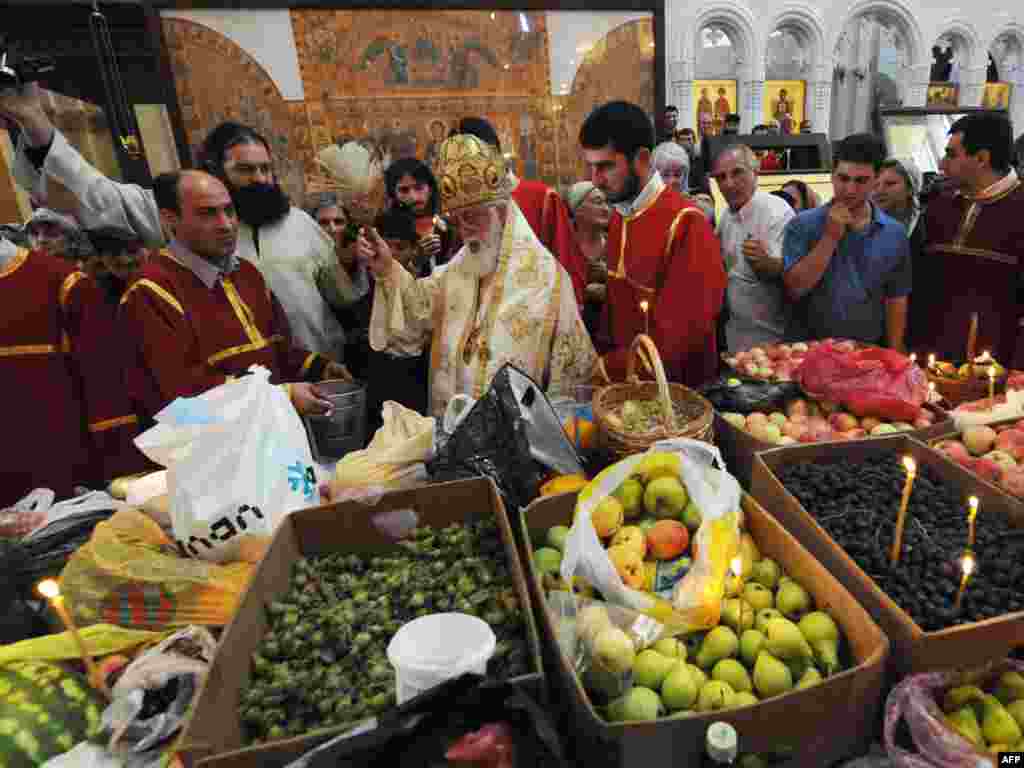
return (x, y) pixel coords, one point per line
(216, 80)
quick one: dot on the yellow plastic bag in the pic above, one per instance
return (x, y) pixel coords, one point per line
(100, 640)
(696, 599)
(131, 574)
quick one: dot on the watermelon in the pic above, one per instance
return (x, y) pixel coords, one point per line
(45, 710)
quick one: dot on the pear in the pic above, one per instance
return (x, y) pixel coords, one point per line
(771, 676)
(720, 643)
(715, 695)
(1016, 710)
(766, 572)
(591, 620)
(792, 601)
(638, 704)
(998, 725)
(631, 495)
(614, 650)
(965, 722)
(733, 585)
(732, 672)
(744, 699)
(822, 635)
(798, 666)
(1010, 687)
(671, 647)
(961, 696)
(751, 643)
(758, 595)
(764, 616)
(749, 552)
(811, 677)
(607, 685)
(679, 689)
(651, 668)
(556, 537)
(784, 640)
(698, 674)
(737, 612)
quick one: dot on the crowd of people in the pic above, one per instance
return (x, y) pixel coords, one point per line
(148, 295)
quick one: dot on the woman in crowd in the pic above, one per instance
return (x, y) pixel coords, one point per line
(673, 163)
(590, 215)
(804, 198)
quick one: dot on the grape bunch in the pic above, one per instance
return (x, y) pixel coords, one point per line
(857, 504)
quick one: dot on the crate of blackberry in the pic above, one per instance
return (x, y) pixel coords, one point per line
(306, 656)
(948, 591)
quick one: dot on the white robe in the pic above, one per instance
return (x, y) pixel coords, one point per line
(528, 316)
(295, 256)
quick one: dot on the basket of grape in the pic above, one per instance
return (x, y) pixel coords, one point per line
(634, 415)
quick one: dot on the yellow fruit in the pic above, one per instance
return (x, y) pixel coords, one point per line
(659, 464)
(563, 484)
(607, 517)
(631, 536)
(629, 565)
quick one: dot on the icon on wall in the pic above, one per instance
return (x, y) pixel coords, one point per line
(715, 99)
(783, 104)
(943, 95)
(997, 96)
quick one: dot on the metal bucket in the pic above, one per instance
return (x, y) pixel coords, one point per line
(331, 437)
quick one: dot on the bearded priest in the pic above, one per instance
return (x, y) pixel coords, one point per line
(503, 298)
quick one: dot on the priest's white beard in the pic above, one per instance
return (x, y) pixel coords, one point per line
(484, 252)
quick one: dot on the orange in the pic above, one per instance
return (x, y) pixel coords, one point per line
(587, 433)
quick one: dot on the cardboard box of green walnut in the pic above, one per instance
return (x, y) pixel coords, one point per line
(817, 724)
(305, 656)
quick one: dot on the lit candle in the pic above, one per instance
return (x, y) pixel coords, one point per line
(931, 361)
(932, 396)
(643, 308)
(51, 591)
(991, 387)
(967, 564)
(913, 357)
(901, 518)
(972, 514)
(736, 564)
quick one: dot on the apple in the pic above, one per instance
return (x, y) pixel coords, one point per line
(766, 372)
(796, 407)
(738, 420)
(799, 418)
(665, 497)
(631, 495)
(883, 429)
(1011, 480)
(629, 564)
(846, 346)
(870, 422)
(821, 434)
(800, 347)
(902, 426)
(751, 369)
(756, 419)
(770, 433)
(827, 406)
(858, 433)
(954, 449)
(787, 440)
(1012, 441)
(777, 418)
(732, 362)
(813, 411)
(794, 429)
(987, 469)
(607, 516)
(843, 422)
(807, 437)
(979, 439)
(817, 422)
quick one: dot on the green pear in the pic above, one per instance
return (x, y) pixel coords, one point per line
(1010, 687)
(798, 666)
(556, 537)
(732, 672)
(758, 595)
(614, 650)
(692, 516)
(651, 668)
(822, 635)
(784, 578)
(671, 647)
(638, 704)
(679, 689)
(744, 699)
(811, 677)
(764, 616)
(699, 676)
(547, 560)
(737, 612)
(766, 572)
(792, 601)
(720, 643)
(771, 676)
(965, 722)
(998, 725)
(631, 494)
(751, 643)
(1016, 710)
(961, 696)
(715, 695)
(784, 640)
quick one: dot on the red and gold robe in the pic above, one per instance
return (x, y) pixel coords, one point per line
(63, 404)
(549, 219)
(664, 252)
(187, 338)
(974, 255)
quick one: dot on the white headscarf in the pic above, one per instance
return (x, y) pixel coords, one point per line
(912, 175)
(577, 194)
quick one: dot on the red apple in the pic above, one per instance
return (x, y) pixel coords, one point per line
(816, 422)
(954, 449)
(843, 422)
(1012, 480)
(807, 437)
(846, 346)
(987, 469)
(799, 418)
(1012, 441)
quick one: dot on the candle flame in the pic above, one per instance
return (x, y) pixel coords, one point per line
(931, 360)
(910, 465)
(737, 566)
(973, 503)
(931, 386)
(48, 588)
(968, 563)
(644, 305)
(913, 357)
(991, 373)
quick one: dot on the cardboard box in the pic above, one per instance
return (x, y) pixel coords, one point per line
(214, 736)
(913, 649)
(739, 446)
(952, 434)
(824, 724)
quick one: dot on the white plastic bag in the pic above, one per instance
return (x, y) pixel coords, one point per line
(716, 493)
(238, 461)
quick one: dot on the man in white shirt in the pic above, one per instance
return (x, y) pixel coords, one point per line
(295, 256)
(751, 232)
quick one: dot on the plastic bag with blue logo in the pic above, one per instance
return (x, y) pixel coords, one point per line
(238, 461)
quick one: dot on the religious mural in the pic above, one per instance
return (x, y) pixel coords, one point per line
(784, 104)
(996, 96)
(715, 99)
(943, 95)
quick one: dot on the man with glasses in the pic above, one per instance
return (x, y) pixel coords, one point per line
(503, 298)
(297, 258)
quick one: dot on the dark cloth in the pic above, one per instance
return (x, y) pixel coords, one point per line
(402, 379)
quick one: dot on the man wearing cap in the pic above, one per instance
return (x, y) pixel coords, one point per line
(502, 299)
(295, 256)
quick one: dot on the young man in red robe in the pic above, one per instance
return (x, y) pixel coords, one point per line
(55, 344)
(661, 250)
(197, 315)
(974, 248)
(543, 208)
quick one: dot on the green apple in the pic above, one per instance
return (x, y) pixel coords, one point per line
(556, 537)
(638, 704)
(547, 560)
(671, 647)
(631, 494)
(665, 498)
(679, 689)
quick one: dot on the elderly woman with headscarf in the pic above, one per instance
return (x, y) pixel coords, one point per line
(673, 163)
(590, 214)
(60, 235)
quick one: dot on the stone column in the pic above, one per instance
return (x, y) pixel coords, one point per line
(819, 105)
(753, 101)
(680, 91)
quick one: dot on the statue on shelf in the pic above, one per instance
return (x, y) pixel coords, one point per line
(942, 66)
(722, 107)
(784, 112)
(704, 114)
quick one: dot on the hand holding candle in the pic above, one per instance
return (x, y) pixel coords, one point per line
(901, 518)
(50, 589)
(644, 305)
(967, 565)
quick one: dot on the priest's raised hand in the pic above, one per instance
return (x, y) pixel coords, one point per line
(374, 252)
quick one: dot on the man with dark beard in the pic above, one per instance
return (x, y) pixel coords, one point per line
(296, 257)
(662, 251)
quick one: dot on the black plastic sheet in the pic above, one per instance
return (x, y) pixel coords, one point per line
(735, 394)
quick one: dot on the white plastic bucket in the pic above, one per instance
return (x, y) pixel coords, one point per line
(431, 649)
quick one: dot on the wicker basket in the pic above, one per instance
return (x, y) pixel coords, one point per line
(620, 443)
(957, 391)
